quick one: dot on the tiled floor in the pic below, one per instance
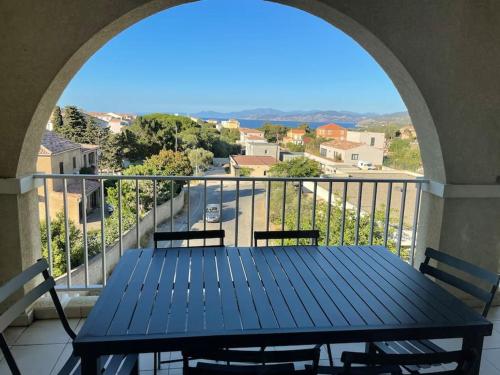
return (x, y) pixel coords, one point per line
(43, 348)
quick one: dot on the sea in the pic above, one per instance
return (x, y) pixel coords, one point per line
(253, 124)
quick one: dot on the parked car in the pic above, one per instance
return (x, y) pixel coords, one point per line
(212, 213)
(366, 165)
(109, 208)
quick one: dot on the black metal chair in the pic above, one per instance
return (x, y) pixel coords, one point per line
(183, 236)
(115, 364)
(486, 296)
(286, 234)
(189, 235)
(252, 362)
(379, 363)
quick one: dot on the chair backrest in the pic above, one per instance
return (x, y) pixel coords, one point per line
(286, 234)
(379, 363)
(490, 279)
(18, 307)
(189, 235)
(259, 357)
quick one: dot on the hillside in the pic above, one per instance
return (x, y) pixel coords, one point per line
(269, 114)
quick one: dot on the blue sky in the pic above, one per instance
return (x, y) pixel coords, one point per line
(228, 55)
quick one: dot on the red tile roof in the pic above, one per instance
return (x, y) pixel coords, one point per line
(297, 131)
(343, 145)
(331, 126)
(253, 160)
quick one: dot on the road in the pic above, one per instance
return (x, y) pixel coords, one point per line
(228, 217)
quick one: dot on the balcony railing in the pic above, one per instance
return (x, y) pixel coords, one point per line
(347, 211)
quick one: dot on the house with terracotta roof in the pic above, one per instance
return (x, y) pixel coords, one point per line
(351, 152)
(245, 133)
(258, 166)
(332, 131)
(58, 155)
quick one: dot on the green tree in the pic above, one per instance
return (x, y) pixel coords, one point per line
(230, 135)
(305, 127)
(273, 133)
(165, 163)
(58, 244)
(296, 167)
(57, 120)
(294, 147)
(200, 159)
(403, 154)
(75, 125)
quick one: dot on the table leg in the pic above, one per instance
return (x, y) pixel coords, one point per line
(91, 365)
(476, 343)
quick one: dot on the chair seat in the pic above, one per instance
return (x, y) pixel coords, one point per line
(409, 347)
(204, 368)
(361, 370)
(129, 365)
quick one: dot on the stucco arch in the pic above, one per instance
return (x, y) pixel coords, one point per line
(125, 13)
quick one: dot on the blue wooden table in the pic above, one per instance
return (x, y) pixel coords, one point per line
(186, 298)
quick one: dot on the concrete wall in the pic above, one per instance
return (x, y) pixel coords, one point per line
(129, 241)
(378, 139)
(263, 149)
(365, 153)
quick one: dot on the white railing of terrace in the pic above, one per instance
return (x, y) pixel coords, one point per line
(349, 195)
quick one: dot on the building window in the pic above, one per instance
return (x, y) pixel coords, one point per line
(74, 162)
(265, 151)
(354, 156)
(322, 152)
(85, 160)
(372, 141)
(92, 159)
(61, 168)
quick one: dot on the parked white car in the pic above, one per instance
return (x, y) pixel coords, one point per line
(212, 213)
(366, 165)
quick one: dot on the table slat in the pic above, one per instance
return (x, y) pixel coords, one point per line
(142, 314)
(196, 304)
(213, 304)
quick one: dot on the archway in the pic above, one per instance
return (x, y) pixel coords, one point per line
(406, 85)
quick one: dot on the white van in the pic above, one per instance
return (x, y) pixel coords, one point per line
(365, 165)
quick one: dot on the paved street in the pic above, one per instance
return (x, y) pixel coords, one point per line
(228, 217)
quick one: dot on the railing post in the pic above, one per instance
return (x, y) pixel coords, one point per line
(252, 213)
(401, 218)
(66, 232)
(328, 212)
(344, 204)
(237, 213)
(374, 207)
(387, 213)
(48, 223)
(85, 242)
(103, 235)
(358, 213)
(137, 215)
(418, 197)
(268, 204)
(283, 210)
(120, 223)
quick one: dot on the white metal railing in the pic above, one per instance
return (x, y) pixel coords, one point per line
(366, 213)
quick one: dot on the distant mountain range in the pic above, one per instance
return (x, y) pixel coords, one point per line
(270, 114)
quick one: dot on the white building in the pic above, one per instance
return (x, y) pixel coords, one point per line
(351, 152)
(368, 138)
(231, 124)
(262, 148)
(247, 133)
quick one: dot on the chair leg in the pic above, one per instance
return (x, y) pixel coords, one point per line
(330, 356)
